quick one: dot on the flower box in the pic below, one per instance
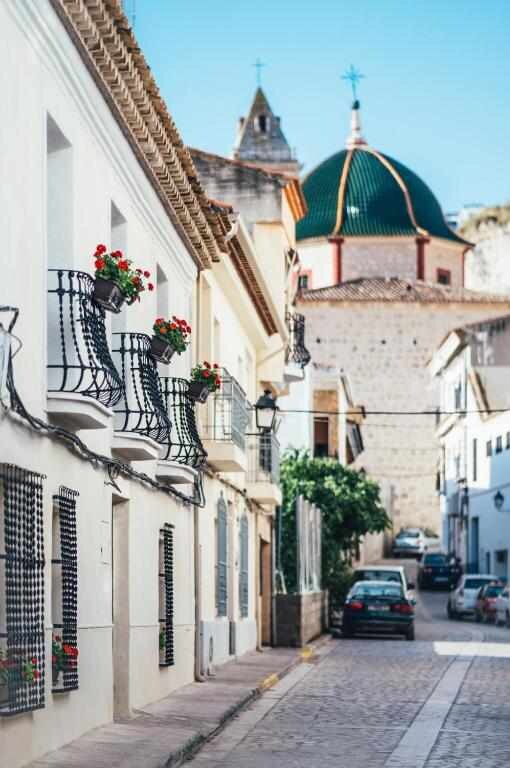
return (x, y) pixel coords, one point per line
(162, 350)
(198, 391)
(108, 295)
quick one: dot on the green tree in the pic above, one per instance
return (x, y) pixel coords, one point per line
(351, 507)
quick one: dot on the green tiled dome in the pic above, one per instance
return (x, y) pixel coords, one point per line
(378, 197)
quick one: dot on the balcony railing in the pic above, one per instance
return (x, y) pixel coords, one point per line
(263, 458)
(142, 409)
(296, 351)
(79, 359)
(185, 446)
(226, 414)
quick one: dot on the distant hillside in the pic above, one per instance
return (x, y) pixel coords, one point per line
(488, 263)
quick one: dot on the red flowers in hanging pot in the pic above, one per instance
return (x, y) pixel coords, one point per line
(116, 280)
(205, 378)
(170, 336)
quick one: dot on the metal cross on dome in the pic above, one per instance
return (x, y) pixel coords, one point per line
(354, 76)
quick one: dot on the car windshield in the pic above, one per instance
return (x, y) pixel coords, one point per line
(378, 576)
(475, 583)
(493, 591)
(435, 560)
(408, 535)
(365, 590)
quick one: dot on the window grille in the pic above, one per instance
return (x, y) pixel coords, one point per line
(221, 557)
(296, 351)
(22, 590)
(166, 597)
(64, 652)
(243, 566)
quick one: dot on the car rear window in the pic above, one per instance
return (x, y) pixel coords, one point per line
(435, 560)
(373, 575)
(475, 583)
(364, 590)
(493, 591)
(409, 535)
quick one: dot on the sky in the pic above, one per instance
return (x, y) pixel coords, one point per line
(436, 93)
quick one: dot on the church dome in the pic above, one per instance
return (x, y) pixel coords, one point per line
(361, 192)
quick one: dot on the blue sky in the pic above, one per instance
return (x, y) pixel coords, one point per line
(436, 94)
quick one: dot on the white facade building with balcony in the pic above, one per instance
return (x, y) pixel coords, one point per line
(472, 367)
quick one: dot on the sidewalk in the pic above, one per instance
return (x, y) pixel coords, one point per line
(164, 733)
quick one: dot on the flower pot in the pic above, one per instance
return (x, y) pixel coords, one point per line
(198, 391)
(161, 350)
(108, 295)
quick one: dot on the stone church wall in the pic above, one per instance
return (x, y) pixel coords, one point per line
(384, 348)
(440, 256)
(379, 259)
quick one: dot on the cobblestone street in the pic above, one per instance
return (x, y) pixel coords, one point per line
(440, 702)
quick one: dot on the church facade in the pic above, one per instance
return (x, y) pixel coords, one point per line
(381, 283)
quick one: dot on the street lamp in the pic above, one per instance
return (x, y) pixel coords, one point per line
(265, 411)
(499, 500)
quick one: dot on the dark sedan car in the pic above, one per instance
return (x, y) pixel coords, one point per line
(380, 607)
(438, 570)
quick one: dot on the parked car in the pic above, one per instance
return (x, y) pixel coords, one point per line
(462, 600)
(503, 607)
(392, 573)
(380, 607)
(438, 569)
(485, 606)
(410, 542)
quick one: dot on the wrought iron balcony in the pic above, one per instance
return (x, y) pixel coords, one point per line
(79, 361)
(296, 351)
(141, 416)
(185, 445)
(224, 425)
(263, 476)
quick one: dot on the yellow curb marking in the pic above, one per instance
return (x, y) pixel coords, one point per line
(269, 681)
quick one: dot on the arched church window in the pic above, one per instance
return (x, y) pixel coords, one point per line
(262, 123)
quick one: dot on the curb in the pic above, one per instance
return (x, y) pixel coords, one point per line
(196, 742)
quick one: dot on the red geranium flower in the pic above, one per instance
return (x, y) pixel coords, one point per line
(206, 374)
(99, 263)
(37, 674)
(117, 254)
(100, 248)
(150, 286)
(207, 365)
(173, 326)
(33, 661)
(123, 265)
(146, 274)
(215, 365)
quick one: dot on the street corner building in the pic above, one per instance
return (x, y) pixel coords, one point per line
(137, 492)
(380, 282)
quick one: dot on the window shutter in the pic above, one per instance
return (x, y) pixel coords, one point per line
(166, 592)
(243, 566)
(222, 596)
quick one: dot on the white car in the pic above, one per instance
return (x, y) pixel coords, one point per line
(410, 542)
(391, 573)
(503, 608)
(462, 600)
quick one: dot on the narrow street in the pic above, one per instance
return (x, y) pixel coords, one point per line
(440, 702)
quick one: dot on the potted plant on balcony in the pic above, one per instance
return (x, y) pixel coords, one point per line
(170, 336)
(63, 657)
(17, 671)
(205, 378)
(116, 281)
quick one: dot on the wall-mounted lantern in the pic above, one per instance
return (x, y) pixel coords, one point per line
(499, 500)
(265, 411)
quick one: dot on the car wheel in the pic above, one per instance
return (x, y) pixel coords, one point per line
(450, 613)
(478, 618)
(410, 633)
(507, 620)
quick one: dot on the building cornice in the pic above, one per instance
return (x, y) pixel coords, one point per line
(102, 36)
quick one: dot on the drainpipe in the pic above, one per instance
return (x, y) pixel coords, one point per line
(197, 550)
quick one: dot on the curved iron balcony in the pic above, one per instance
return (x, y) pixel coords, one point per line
(142, 409)
(296, 351)
(264, 458)
(185, 446)
(79, 359)
(227, 412)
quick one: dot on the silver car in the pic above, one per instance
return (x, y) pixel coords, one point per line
(410, 542)
(462, 600)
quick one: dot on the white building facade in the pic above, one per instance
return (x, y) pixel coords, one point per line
(473, 369)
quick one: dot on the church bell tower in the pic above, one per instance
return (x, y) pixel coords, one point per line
(261, 141)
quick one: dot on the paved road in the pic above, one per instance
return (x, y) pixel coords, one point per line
(440, 702)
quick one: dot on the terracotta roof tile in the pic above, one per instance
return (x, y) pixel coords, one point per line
(395, 289)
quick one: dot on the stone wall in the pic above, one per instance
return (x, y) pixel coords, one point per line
(394, 258)
(384, 348)
(300, 618)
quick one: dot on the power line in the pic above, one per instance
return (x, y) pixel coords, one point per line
(365, 412)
